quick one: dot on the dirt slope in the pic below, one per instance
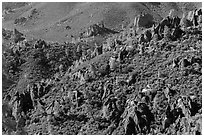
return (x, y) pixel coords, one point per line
(49, 20)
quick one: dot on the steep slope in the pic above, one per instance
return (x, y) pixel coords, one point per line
(49, 20)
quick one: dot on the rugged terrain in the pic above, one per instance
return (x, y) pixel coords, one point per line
(54, 67)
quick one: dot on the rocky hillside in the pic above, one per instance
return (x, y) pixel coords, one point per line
(107, 80)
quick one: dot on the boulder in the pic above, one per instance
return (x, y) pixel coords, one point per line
(145, 20)
(18, 36)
